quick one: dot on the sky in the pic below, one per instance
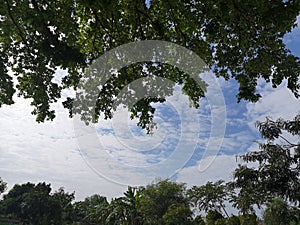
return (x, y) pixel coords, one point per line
(189, 145)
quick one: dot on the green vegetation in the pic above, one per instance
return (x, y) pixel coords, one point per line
(241, 40)
(169, 203)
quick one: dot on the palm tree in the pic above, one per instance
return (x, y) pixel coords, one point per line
(124, 210)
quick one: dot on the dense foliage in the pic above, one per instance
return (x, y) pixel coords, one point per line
(163, 203)
(242, 40)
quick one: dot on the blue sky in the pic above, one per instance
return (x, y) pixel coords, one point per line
(61, 154)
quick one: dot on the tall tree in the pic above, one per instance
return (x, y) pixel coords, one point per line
(237, 39)
(278, 166)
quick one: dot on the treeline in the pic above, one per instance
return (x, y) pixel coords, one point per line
(165, 202)
(273, 185)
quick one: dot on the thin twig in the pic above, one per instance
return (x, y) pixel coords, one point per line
(293, 145)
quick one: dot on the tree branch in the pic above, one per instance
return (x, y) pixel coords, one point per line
(15, 22)
(291, 144)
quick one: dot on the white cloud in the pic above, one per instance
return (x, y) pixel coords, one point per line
(32, 152)
(128, 157)
(216, 168)
(295, 34)
(49, 151)
(279, 102)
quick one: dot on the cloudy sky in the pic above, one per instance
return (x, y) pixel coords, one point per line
(191, 146)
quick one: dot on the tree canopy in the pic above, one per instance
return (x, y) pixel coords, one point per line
(277, 172)
(241, 40)
(210, 197)
(32, 204)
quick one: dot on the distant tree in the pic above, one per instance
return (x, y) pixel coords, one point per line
(124, 210)
(33, 204)
(277, 213)
(65, 200)
(295, 215)
(161, 200)
(13, 200)
(39, 207)
(210, 196)
(277, 172)
(130, 202)
(178, 214)
(93, 209)
(116, 213)
(221, 221)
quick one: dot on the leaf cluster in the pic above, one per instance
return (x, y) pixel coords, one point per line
(241, 40)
